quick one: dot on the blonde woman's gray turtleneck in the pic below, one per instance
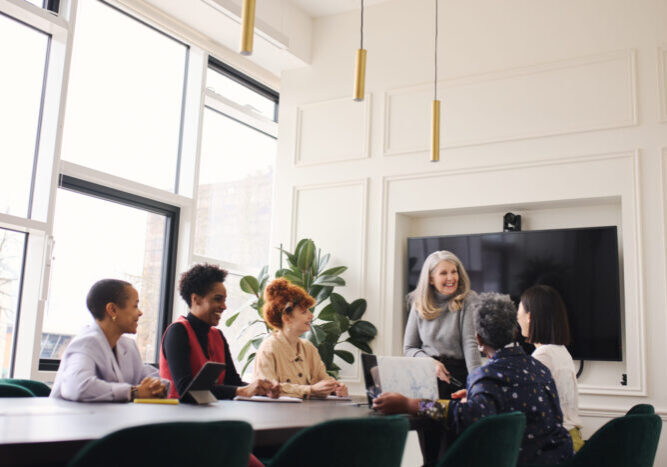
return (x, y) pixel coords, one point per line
(451, 334)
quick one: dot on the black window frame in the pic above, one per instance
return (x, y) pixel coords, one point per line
(246, 81)
(172, 215)
(21, 279)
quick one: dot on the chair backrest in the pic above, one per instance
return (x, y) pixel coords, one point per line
(641, 409)
(493, 441)
(38, 388)
(14, 390)
(629, 441)
(224, 443)
(351, 442)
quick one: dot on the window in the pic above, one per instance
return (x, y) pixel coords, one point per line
(102, 233)
(131, 141)
(125, 98)
(12, 248)
(235, 192)
(247, 93)
(21, 89)
(51, 5)
(123, 120)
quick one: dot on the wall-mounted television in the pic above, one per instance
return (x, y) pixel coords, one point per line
(581, 263)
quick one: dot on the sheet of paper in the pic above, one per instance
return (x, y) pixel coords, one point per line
(339, 398)
(268, 399)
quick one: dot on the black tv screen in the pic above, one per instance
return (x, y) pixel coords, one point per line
(582, 264)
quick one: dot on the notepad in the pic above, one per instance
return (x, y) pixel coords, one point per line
(268, 399)
(156, 401)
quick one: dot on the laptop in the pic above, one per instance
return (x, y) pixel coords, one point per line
(369, 365)
(410, 376)
(199, 389)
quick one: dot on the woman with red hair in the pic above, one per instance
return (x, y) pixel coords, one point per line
(285, 357)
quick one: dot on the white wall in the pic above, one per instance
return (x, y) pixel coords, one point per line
(554, 108)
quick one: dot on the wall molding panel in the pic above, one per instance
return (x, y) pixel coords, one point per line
(662, 83)
(332, 131)
(617, 178)
(570, 96)
(345, 203)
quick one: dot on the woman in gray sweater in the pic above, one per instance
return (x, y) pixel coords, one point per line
(440, 324)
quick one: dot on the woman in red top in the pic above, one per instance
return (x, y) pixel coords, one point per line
(194, 339)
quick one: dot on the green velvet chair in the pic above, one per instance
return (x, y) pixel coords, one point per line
(352, 442)
(38, 388)
(205, 444)
(641, 409)
(493, 441)
(14, 390)
(629, 441)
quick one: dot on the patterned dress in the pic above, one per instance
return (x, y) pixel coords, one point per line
(511, 381)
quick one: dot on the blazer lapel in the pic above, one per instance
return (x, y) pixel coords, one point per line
(109, 356)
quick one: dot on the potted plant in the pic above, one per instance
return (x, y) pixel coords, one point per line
(336, 322)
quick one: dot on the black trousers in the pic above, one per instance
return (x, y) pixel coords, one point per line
(433, 437)
(458, 369)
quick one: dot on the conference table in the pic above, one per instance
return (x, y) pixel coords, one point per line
(43, 431)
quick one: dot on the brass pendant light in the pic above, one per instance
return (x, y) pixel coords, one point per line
(247, 26)
(360, 64)
(435, 107)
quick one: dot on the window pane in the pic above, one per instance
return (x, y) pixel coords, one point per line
(240, 331)
(125, 97)
(242, 95)
(97, 239)
(23, 58)
(235, 188)
(11, 265)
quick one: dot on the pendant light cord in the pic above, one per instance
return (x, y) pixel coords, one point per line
(435, 78)
(362, 25)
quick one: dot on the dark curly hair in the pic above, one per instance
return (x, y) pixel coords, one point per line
(495, 319)
(281, 296)
(199, 279)
(106, 291)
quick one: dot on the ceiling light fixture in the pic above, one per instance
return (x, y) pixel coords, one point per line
(435, 107)
(247, 26)
(360, 66)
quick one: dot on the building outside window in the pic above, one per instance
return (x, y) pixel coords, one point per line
(235, 192)
(123, 121)
(112, 198)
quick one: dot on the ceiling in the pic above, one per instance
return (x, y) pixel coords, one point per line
(283, 39)
(317, 8)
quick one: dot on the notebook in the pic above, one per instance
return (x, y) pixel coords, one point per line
(268, 399)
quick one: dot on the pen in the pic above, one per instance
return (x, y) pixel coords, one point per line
(455, 381)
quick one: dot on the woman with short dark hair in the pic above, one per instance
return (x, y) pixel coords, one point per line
(100, 364)
(192, 340)
(510, 381)
(543, 320)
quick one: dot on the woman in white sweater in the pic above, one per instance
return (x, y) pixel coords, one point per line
(543, 320)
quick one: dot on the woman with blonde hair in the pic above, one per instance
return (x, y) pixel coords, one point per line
(285, 357)
(440, 325)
